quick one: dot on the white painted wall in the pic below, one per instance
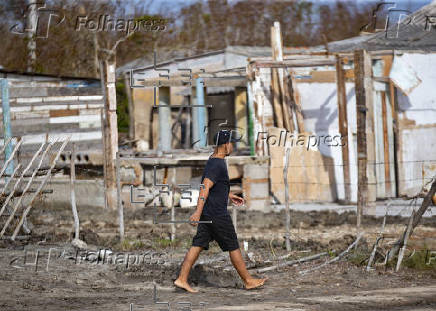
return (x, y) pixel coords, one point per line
(320, 110)
(419, 143)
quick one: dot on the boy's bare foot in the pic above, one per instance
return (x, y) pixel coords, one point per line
(185, 286)
(254, 283)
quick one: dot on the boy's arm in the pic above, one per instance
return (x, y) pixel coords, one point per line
(236, 199)
(204, 193)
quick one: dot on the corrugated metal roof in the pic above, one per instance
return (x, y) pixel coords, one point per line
(411, 35)
(172, 56)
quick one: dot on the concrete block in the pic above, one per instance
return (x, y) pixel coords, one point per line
(254, 171)
(258, 205)
(258, 190)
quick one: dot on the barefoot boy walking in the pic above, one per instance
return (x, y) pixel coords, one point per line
(212, 206)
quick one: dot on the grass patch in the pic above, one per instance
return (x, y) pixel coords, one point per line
(131, 245)
(421, 260)
(359, 258)
(160, 243)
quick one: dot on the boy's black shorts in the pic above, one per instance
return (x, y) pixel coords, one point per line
(221, 230)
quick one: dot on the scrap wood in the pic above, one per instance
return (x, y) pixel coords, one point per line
(414, 220)
(337, 257)
(406, 238)
(379, 238)
(292, 262)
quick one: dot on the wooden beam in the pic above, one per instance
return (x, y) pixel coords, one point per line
(276, 97)
(388, 186)
(343, 125)
(218, 82)
(107, 70)
(288, 104)
(295, 63)
(276, 82)
(365, 131)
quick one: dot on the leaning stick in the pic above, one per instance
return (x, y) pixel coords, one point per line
(379, 238)
(11, 157)
(292, 262)
(73, 193)
(5, 145)
(336, 258)
(415, 219)
(10, 179)
(44, 181)
(20, 178)
(406, 238)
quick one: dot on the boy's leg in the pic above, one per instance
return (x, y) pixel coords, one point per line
(190, 258)
(239, 264)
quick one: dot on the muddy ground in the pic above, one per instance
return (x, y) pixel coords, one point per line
(126, 278)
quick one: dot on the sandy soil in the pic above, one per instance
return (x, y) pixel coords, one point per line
(72, 282)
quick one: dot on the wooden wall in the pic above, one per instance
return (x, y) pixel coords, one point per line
(56, 106)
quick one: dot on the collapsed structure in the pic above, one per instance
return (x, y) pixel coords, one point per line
(314, 100)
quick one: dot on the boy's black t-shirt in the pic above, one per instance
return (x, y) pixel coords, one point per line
(216, 203)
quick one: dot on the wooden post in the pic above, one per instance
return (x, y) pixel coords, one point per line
(288, 212)
(119, 202)
(397, 141)
(110, 131)
(277, 55)
(173, 210)
(130, 106)
(241, 114)
(73, 192)
(343, 125)
(387, 165)
(365, 132)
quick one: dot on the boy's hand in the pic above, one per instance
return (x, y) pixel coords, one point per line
(238, 201)
(195, 217)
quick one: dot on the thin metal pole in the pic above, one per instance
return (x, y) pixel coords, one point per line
(164, 119)
(201, 115)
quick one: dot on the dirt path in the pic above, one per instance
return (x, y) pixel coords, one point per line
(68, 285)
